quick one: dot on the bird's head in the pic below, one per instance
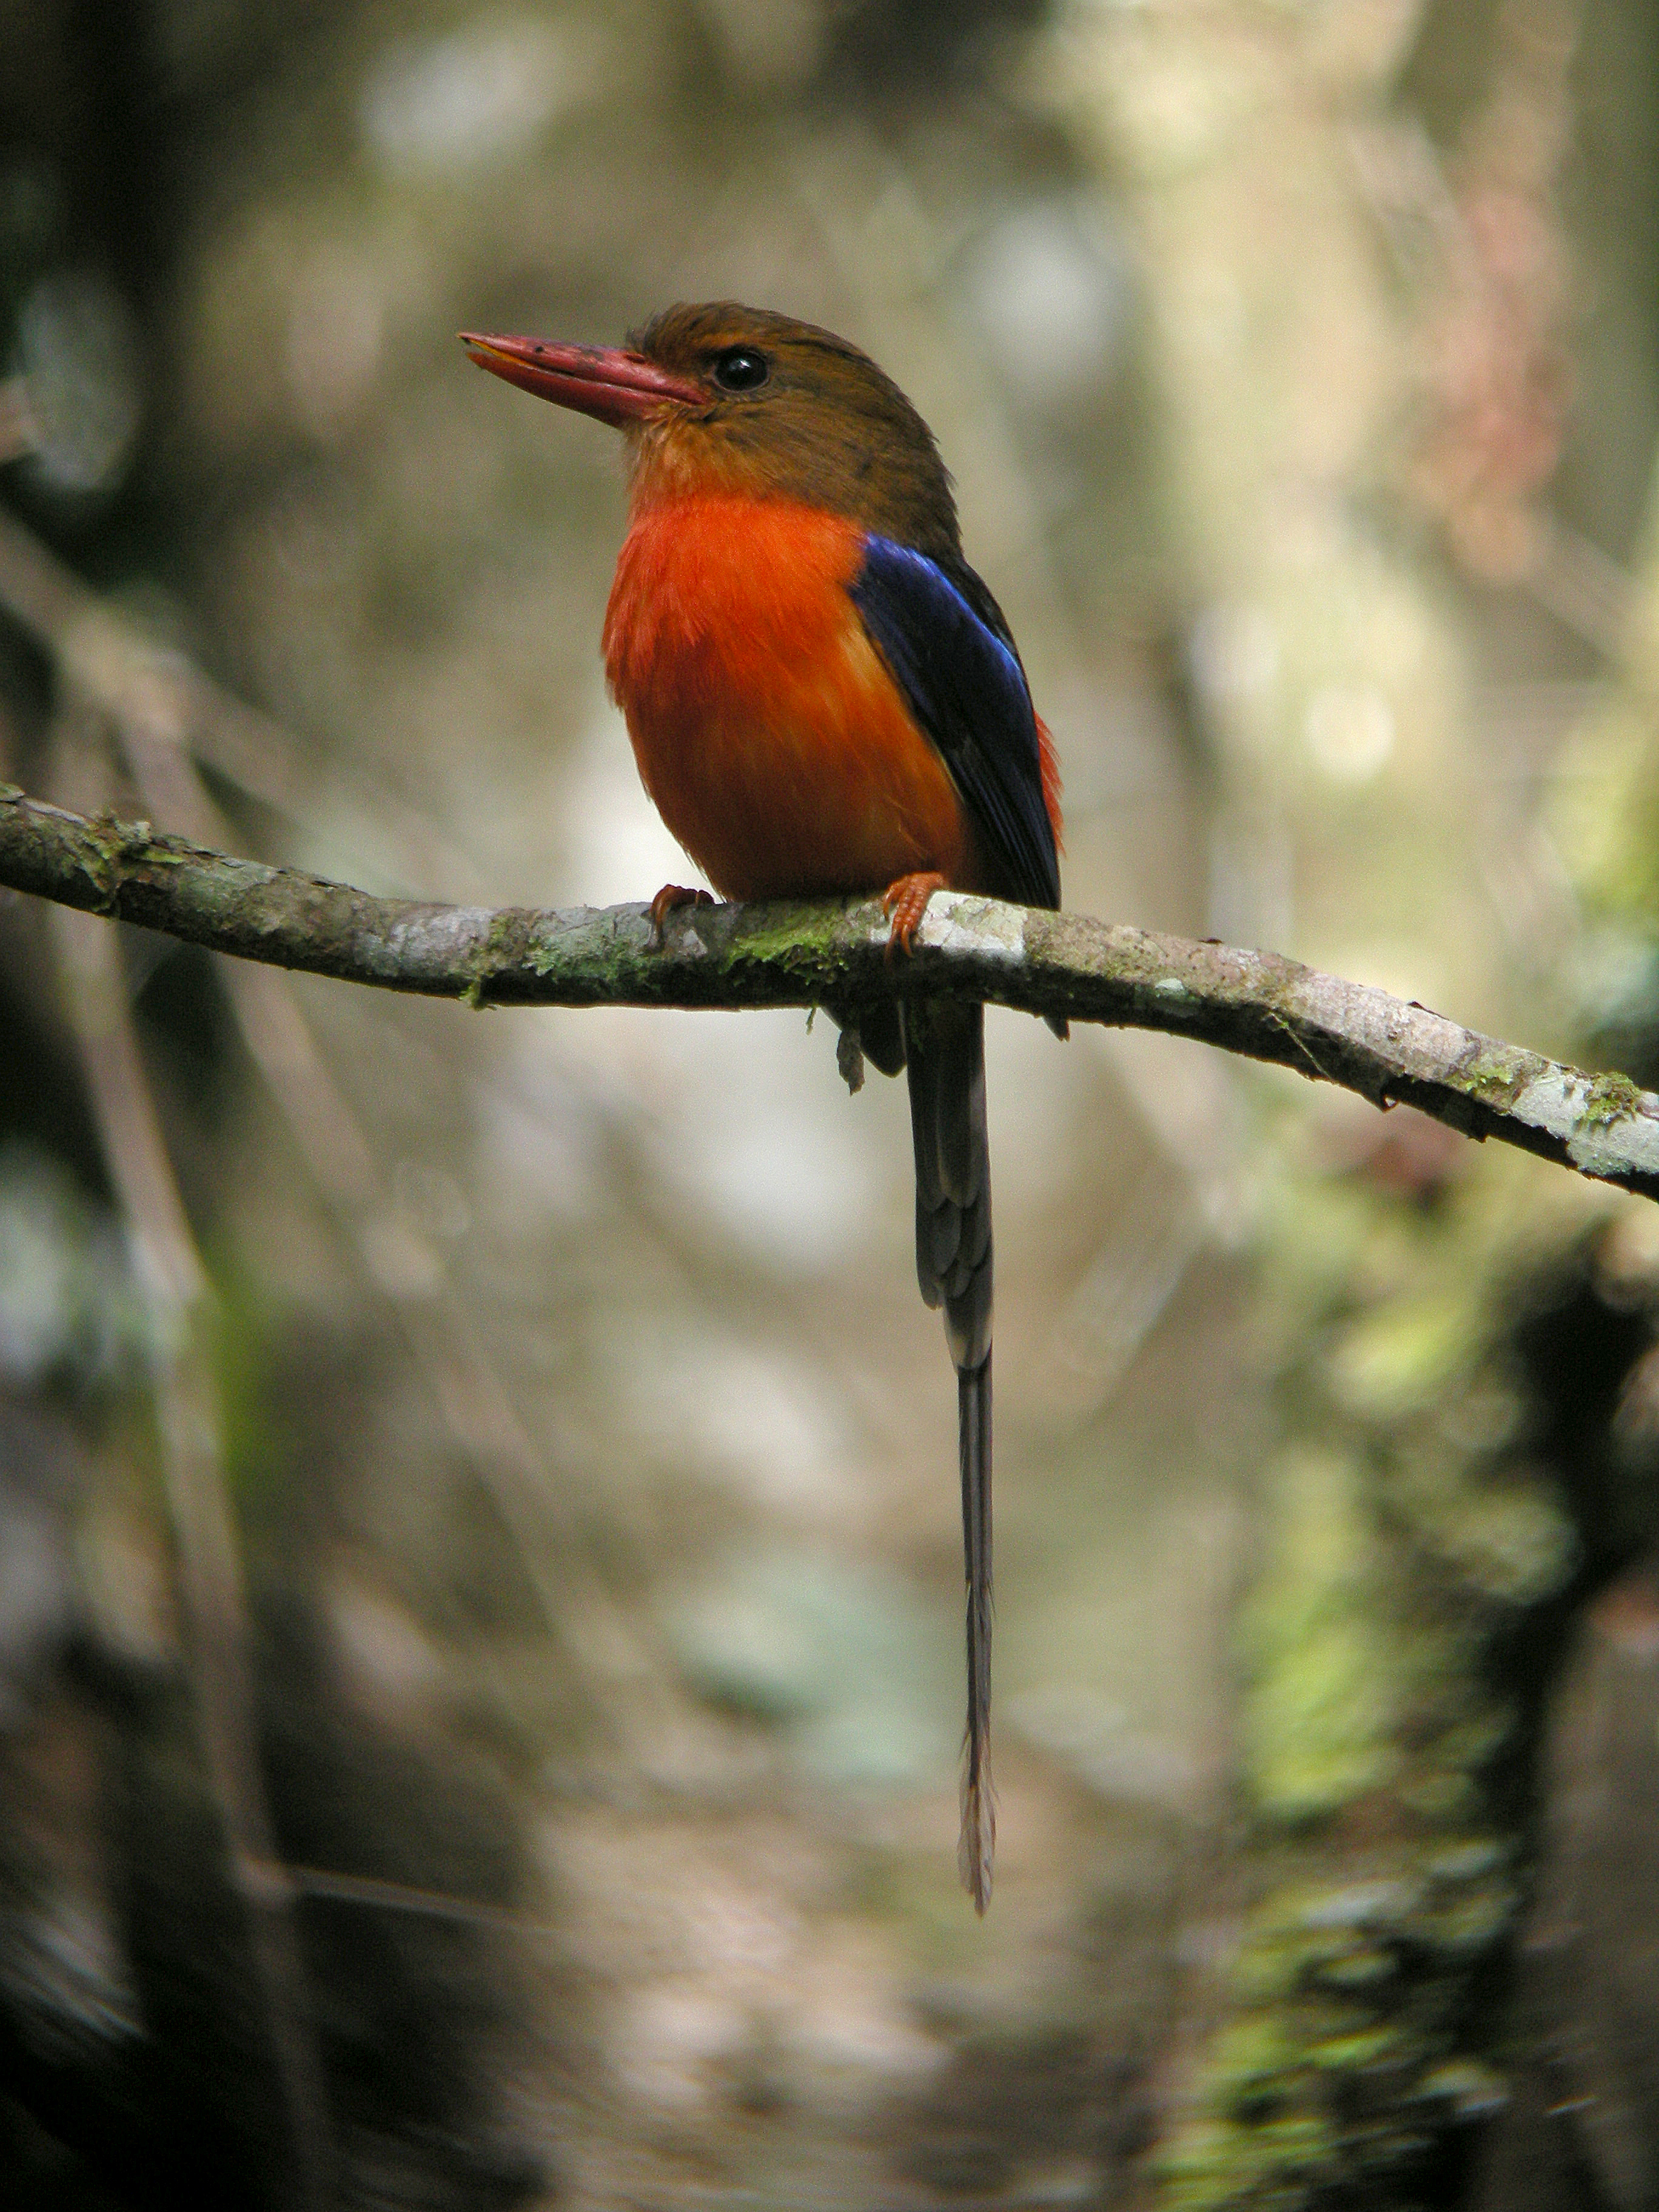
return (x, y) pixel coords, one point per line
(727, 398)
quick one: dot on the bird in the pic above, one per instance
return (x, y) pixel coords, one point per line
(824, 699)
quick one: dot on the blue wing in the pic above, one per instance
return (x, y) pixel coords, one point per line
(962, 680)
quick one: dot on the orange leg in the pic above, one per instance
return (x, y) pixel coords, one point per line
(670, 895)
(906, 901)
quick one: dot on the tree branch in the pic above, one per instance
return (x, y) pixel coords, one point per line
(1256, 1004)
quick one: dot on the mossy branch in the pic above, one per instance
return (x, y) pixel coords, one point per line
(1254, 1002)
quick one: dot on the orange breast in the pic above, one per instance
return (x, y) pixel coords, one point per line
(767, 731)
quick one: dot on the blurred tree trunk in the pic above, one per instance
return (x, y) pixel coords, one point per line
(1582, 2127)
(1359, 362)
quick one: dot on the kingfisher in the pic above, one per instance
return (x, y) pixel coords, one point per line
(824, 699)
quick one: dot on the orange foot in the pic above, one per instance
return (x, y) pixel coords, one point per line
(906, 901)
(670, 895)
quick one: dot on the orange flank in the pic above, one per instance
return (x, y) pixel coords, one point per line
(1049, 766)
(776, 746)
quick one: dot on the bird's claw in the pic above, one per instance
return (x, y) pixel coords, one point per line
(905, 902)
(669, 897)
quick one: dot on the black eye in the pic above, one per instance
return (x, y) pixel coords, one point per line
(740, 368)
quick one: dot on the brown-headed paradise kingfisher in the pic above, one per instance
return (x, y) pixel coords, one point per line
(824, 698)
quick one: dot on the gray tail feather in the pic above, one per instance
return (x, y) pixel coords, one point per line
(978, 1848)
(945, 1057)
(876, 1027)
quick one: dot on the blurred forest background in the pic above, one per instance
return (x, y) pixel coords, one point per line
(524, 1424)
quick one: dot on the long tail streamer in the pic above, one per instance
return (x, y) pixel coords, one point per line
(945, 1060)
